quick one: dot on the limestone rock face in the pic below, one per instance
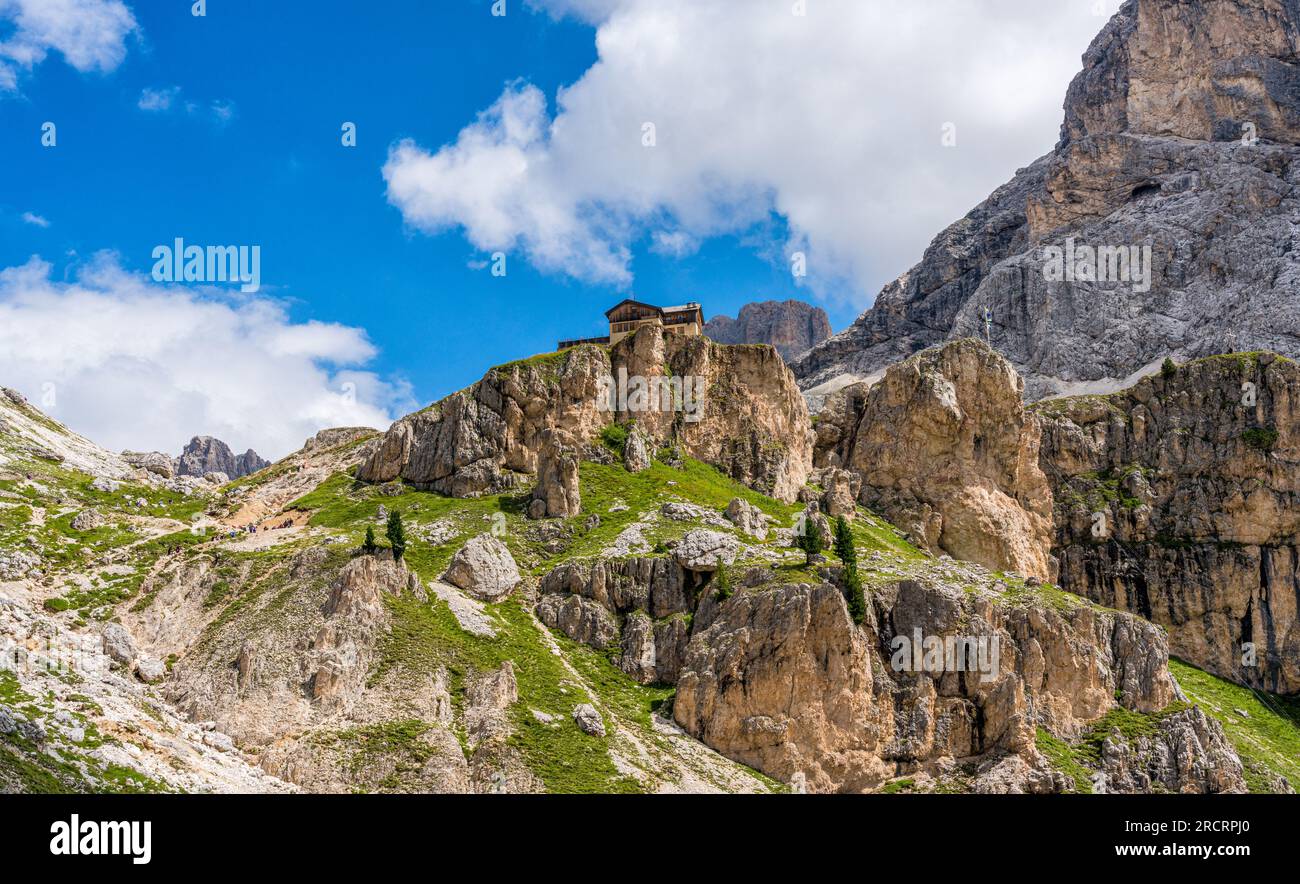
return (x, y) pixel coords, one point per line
(704, 550)
(749, 420)
(487, 438)
(204, 454)
(946, 451)
(557, 476)
(637, 604)
(792, 327)
(1193, 70)
(1179, 499)
(781, 679)
(484, 568)
(339, 655)
(1158, 149)
(1188, 753)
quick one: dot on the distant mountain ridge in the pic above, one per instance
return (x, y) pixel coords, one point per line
(793, 327)
(206, 454)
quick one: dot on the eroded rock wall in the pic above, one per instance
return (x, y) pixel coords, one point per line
(1179, 500)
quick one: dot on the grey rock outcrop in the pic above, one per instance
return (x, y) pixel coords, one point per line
(704, 551)
(1158, 149)
(636, 453)
(151, 462)
(150, 670)
(87, 520)
(748, 518)
(792, 327)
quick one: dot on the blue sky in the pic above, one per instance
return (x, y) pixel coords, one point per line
(225, 129)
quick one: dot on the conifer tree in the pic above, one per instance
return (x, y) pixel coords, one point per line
(396, 536)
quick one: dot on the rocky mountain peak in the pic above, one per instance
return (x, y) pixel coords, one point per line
(1162, 225)
(1200, 70)
(793, 327)
(205, 454)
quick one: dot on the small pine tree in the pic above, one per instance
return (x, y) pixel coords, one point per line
(1168, 369)
(396, 536)
(369, 547)
(811, 540)
(853, 593)
(722, 583)
(844, 548)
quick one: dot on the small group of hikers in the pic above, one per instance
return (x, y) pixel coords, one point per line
(254, 528)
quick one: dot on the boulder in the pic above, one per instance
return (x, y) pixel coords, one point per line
(118, 644)
(704, 550)
(484, 568)
(636, 453)
(840, 492)
(87, 520)
(150, 670)
(17, 564)
(748, 518)
(589, 720)
(151, 462)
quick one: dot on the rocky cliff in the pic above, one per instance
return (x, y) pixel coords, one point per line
(1179, 499)
(737, 408)
(1180, 135)
(944, 448)
(792, 327)
(779, 677)
(205, 454)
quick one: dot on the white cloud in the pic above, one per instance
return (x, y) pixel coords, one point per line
(157, 100)
(141, 365)
(164, 99)
(832, 121)
(35, 220)
(223, 112)
(90, 34)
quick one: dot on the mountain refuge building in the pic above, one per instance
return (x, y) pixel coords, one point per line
(628, 315)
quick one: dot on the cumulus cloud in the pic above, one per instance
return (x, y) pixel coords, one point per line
(35, 220)
(90, 34)
(832, 122)
(135, 364)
